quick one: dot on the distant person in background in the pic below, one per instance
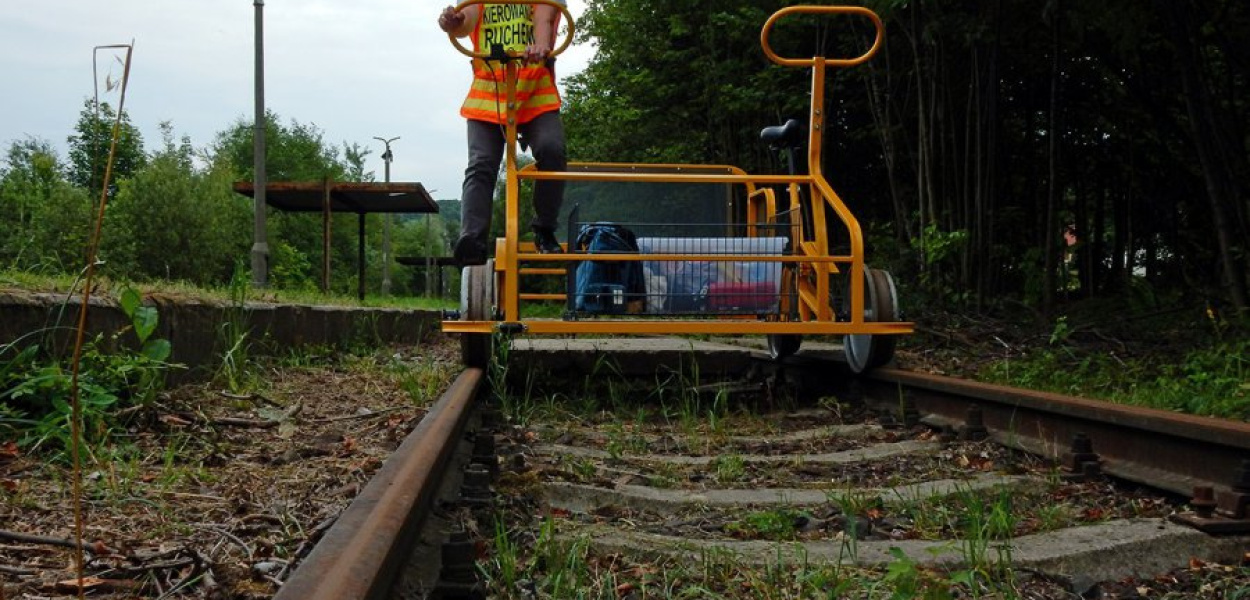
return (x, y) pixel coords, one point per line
(530, 30)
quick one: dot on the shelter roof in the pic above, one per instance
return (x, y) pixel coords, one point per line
(353, 197)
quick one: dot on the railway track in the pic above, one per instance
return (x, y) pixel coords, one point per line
(776, 483)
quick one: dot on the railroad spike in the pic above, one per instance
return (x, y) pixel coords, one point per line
(484, 451)
(1091, 470)
(908, 413)
(476, 478)
(887, 420)
(1079, 455)
(1082, 444)
(459, 554)
(1222, 513)
(484, 447)
(457, 579)
(974, 425)
(475, 488)
(1242, 483)
(1235, 503)
(491, 418)
(1203, 501)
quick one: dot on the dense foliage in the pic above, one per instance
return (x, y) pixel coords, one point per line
(172, 214)
(1031, 151)
(985, 134)
(1021, 153)
(118, 373)
(92, 141)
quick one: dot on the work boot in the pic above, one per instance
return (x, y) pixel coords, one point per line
(545, 241)
(469, 252)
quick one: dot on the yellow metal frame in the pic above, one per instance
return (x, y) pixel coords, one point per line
(815, 264)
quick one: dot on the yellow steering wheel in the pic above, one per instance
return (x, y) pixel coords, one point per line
(821, 10)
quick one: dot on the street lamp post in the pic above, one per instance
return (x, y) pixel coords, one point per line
(260, 239)
(386, 221)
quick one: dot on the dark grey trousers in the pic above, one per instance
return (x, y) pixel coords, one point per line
(545, 136)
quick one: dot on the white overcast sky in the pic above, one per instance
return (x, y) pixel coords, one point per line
(355, 69)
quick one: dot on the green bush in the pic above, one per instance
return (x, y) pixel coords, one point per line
(1212, 381)
(117, 372)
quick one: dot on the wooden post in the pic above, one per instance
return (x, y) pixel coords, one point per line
(325, 236)
(360, 256)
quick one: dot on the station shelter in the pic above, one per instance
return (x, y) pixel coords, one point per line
(329, 197)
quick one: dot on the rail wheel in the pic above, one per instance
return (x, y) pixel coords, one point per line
(477, 301)
(781, 345)
(865, 351)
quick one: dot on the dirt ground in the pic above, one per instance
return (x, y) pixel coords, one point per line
(211, 494)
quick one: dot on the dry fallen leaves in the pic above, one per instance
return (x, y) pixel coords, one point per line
(96, 584)
(8, 452)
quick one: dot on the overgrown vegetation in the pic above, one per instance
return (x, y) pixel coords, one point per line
(550, 552)
(120, 374)
(1012, 185)
(1018, 151)
(156, 483)
(1212, 380)
(62, 283)
(173, 216)
(551, 564)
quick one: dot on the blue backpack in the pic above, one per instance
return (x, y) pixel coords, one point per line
(609, 287)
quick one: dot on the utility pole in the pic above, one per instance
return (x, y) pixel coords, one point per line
(260, 240)
(386, 221)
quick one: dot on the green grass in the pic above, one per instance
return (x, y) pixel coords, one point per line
(779, 524)
(730, 468)
(106, 286)
(424, 380)
(1213, 381)
(548, 564)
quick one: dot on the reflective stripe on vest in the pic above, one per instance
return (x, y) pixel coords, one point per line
(512, 26)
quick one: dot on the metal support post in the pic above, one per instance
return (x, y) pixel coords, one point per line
(387, 156)
(260, 241)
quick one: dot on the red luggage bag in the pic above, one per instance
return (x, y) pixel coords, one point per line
(756, 296)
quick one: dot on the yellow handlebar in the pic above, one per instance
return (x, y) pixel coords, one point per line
(821, 10)
(568, 38)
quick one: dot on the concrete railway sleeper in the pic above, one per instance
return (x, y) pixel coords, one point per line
(622, 483)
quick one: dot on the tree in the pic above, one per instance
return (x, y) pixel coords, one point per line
(43, 219)
(1218, 138)
(90, 144)
(172, 221)
(29, 173)
(297, 152)
(988, 132)
(701, 96)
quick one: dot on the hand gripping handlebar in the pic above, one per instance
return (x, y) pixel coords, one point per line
(568, 38)
(821, 10)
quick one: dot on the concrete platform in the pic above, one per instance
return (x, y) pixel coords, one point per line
(194, 327)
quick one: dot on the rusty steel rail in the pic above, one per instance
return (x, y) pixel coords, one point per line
(1175, 452)
(362, 553)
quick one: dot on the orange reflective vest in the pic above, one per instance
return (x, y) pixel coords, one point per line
(512, 26)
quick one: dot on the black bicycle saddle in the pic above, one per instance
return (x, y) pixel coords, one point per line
(784, 136)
